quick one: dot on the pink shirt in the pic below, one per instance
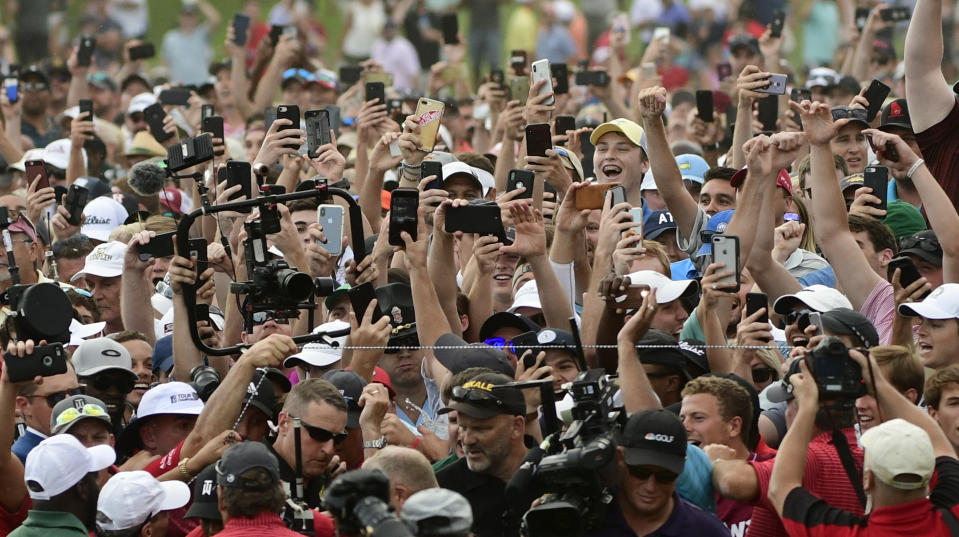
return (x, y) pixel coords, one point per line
(880, 309)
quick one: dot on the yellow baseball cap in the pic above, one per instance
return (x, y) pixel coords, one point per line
(627, 128)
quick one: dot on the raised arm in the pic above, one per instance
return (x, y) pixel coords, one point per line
(13, 491)
(441, 262)
(927, 91)
(283, 55)
(137, 288)
(749, 80)
(791, 458)
(637, 392)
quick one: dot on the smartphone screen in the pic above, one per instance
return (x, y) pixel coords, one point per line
(538, 139)
(239, 173)
(450, 29)
(704, 105)
(876, 94)
(877, 178)
(755, 302)
(241, 23)
(403, 205)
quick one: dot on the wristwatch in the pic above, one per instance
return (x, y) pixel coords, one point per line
(379, 443)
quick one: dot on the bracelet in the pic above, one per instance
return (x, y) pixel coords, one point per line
(412, 166)
(187, 476)
(915, 167)
(416, 442)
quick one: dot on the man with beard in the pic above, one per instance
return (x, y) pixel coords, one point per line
(35, 93)
(106, 369)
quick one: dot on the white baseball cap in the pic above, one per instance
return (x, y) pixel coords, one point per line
(79, 332)
(106, 261)
(667, 290)
(900, 454)
(166, 321)
(140, 101)
(30, 154)
(527, 296)
(129, 499)
(100, 354)
(319, 354)
(60, 462)
(482, 177)
(103, 215)
(170, 398)
(57, 154)
(943, 303)
(817, 297)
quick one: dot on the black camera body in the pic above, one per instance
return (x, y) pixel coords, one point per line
(41, 312)
(205, 380)
(837, 375)
(190, 152)
(359, 502)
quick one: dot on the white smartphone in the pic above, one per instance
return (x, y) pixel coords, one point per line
(726, 250)
(637, 214)
(541, 72)
(662, 33)
(330, 218)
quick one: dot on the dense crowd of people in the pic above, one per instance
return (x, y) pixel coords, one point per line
(494, 279)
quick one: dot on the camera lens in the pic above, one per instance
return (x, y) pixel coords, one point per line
(296, 285)
(47, 360)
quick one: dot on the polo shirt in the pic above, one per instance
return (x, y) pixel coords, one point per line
(806, 514)
(486, 495)
(312, 491)
(50, 524)
(26, 443)
(686, 520)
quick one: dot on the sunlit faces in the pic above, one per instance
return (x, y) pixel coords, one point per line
(716, 196)
(617, 158)
(947, 415)
(850, 144)
(938, 340)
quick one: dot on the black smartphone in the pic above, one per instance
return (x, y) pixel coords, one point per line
(375, 90)
(213, 125)
(538, 139)
(198, 250)
(76, 200)
(617, 195)
(799, 95)
(159, 246)
(350, 74)
(497, 77)
(876, 94)
(207, 110)
(241, 23)
(175, 96)
(86, 105)
(88, 44)
(592, 78)
(154, 116)
(142, 52)
(561, 73)
(432, 167)
(564, 123)
(776, 26)
(451, 29)
(335, 118)
(704, 105)
(317, 131)
(724, 70)
(33, 168)
(239, 173)
(877, 178)
(908, 272)
(403, 205)
(768, 112)
(360, 298)
(45, 361)
(483, 218)
(755, 302)
(520, 178)
(292, 113)
(276, 30)
(895, 14)
(861, 16)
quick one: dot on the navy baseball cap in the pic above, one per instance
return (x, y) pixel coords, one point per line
(657, 223)
(717, 224)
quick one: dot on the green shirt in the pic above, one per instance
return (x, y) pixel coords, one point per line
(50, 524)
(443, 463)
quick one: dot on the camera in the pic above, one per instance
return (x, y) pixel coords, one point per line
(359, 502)
(837, 375)
(40, 311)
(204, 380)
(190, 152)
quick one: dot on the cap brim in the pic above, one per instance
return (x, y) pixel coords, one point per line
(100, 271)
(315, 359)
(176, 494)
(473, 411)
(67, 426)
(636, 456)
(101, 235)
(101, 457)
(675, 289)
(785, 303)
(895, 124)
(204, 510)
(610, 127)
(924, 309)
(95, 370)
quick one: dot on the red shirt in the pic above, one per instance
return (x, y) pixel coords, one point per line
(165, 463)
(11, 520)
(736, 514)
(262, 524)
(196, 532)
(825, 477)
(940, 149)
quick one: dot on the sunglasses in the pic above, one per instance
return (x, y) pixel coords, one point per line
(762, 374)
(320, 434)
(794, 316)
(54, 398)
(472, 395)
(844, 112)
(102, 383)
(88, 411)
(662, 476)
(33, 86)
(927, 244)
(261, 317)
(501, 343)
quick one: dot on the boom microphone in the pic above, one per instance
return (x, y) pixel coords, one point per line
(147, 179)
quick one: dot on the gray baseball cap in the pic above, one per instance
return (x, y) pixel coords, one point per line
(437, 511)
(75, 409)
(101, 354)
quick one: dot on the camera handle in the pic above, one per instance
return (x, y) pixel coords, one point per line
(183, 245)
(545, 387)
(11, 262)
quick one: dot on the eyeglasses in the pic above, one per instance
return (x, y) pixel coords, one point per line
(474, 395)
(87, 411)
(763, 374)
(302, 73)
(54, 398)
(501, 343)
(261, 317)
(136, 117)
(103, 382)
(794, 316)
(928, 244)
(662, 476)
(320, 434)
(33, 86)
(844, 112)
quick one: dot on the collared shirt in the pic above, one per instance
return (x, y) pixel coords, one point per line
(41, 140)
(262, 524)
(429, 414)
(880, 308)
(26, 443)
(50, 524)
(487, 497)
(686, 520)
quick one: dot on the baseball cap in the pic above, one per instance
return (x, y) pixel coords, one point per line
(627, 128)
(319, 354)
(57, 154)
(106, 261)
(140, 102)
(903, 219)
(659, 348)
(260, 393)
(655, 437)
(437, 511)
(815, 297)
(130, 498)
(340, 291)
(657, 223)
(145, 144)
(570, 162)
(782, 180)
(103, 215)
(396, 301)
(101, 80)
(460, 169)
(60, 462)
(29, 154)
(75, 409)
(350, 384)
(855, 180)
(667, 290)
(782, 391)
(550, 338)
(899, 453)
(486, 396)
(821, 76)
(692, 167)
(942, 303)
(205, 498)
(163, 354)
(694, 352)
(504, 319)
(716, 224)
(895, 114)
(101, 354)
(470, 355)
(168, 398)
(854, 115)
(24, 225)
(924, 245)
(746, 41)
(527, 296)
(845, 321)
(325, 78)
(239, 458)
(848, 84)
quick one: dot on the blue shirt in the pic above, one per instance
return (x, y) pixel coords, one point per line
(695, 484)
(429, 414)
(686, 520)
(825, 276)
(26, 443)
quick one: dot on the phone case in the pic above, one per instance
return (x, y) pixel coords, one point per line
(403, 205)
(46, 361)
(877, 178)
(154, 116)
(317, 131)
(592, 197)
(378, 76)
(175, 96)
(755, 302)
(704, 105)
(450, 29)
(76, 200)
(539, 138)
(726, 250)
(86, 105)
(85, 50)
(520, 178)
(617, 195)
(360, 298)
(482, 218)
(239, 173)
(637, 214)
(876, 94)
(777, 85)
(519, 89)
(429, 114)
(768, 112)
(213, 125)
(563, 124)
(561, 74)
(292, 113)
(241, 23)
(541, 71)
(909, 272)
(159, 246)
(432, 167)
(34, 168)
(350, 74)
(330, 217)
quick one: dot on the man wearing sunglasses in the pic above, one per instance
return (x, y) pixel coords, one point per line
(35, 94)
(85, 418)
(105, 369)
(650, 458)
(36, 402)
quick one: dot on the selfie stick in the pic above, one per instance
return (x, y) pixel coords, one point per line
(8, 246)
(296, 491)
(580, 355)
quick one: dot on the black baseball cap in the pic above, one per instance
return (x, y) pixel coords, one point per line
(895, 114)
(924, 245)
(551, 339)
(486, 396)
(506, 319)
(782, 391)
(667, 352)
(470, 355)
(844, 321)
(204, 496)
(655, 437)
(239, 458)
(260, 394)
(744, 41)
(694, 352)
(350, 385)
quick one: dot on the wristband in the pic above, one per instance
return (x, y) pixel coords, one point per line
(915, 167)
(412, 166)
(416, 442)
(187, 476)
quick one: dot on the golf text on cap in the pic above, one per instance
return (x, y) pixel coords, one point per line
(666, 438)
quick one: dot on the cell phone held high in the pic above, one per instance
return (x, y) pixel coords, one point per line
(34, 168)
(154, 116)
(403, 205)
(85, 50)
(726, 251)
(516, 179)
(428, 116)
(144, 51)
(330, 218)
(360, 298)
(292, 113)
(11, 85)
(198, 250)
(317, 131)
(450, 28)
(86, 106)
(175, 97)
(876, 94)
(538, 139)
(756, 302)
(483, 218)
(592, 78)
(159, 246)
(239, 173)
(561, 74)
(375, 91)
(776, 86)
(704, 105)
(75, 201)
(241, 23)
(877, 178)
(433, 167)
(213, 125)
(45, 361)
(540, 71)
(908, 273)
(592, 196)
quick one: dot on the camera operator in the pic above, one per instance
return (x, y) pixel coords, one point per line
(437, 512)
(902, 456)
(27, 253)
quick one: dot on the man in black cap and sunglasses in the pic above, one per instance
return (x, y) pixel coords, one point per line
(924, 250)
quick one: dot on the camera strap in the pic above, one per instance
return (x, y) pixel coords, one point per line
(951, 521)
(845, 457)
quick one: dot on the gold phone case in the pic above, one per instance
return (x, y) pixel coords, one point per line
(429, 114)
(519, 89)
(592, 197)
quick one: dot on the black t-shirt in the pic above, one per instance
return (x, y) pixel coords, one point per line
(487, 497)
(312, 489)
(413, 25)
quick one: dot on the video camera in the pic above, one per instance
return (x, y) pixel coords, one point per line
(569, 472)
(359, 502)
(837, 375)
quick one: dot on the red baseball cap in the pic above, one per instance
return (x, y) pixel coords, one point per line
(783, 180)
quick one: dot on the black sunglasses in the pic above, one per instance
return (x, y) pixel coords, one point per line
(103, 382)
(844, 112)
(662, 476)
(794, 316)
(322, 435)
(54, 398)
(472, 395)
(928, 244)
(260, 317)
(762, 374)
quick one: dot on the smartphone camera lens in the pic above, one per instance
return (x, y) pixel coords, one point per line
(47, 360)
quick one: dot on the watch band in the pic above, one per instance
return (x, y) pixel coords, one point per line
(379, 443)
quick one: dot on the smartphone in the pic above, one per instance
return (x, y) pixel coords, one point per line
(12, 86)
(908, 272)
(291, 112)
(350, 74)
(776, 26)
(777, 85)
(142, 52)
(497, 77)
(360, 298)
(517, 62)
(724, 70)
(451, 29)
(592, 196)
(76, 200)
(33, 169)
(198, 250)
(317, 131)
(876, 94)
(330, 217)
(86, 105)
(755, 302)
(726, 250)
(520, 178)
(213, 125)
(429, 114)
(768, 112)
(541, 71)
(562, 124)
(799, 95)
(335, 118)
(895, 14)
(813, 318)
(175, 96)
(432, 167)
(704, 105)
(269, 116)
(877, 178)
(276, 31)
(633, 297)
(637, 214)
(561, 74)
(592, 78)
(159, 246)
(154, 116)
(861, 16)
(380, 76)
(483, 218)
(45, 361)
(206, 111)
(403, 205)
(239, 173)
(241, 23)
(538, 139)
(375, 90)
(88, 44)
(617, 195)
(519, 89)
(648, 71)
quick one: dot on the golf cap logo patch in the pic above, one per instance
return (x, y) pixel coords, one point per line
(665, 438)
